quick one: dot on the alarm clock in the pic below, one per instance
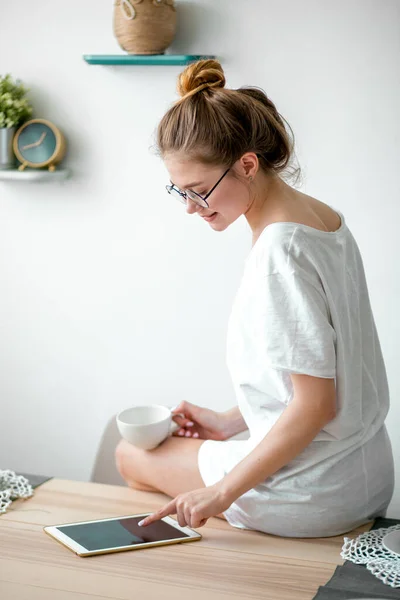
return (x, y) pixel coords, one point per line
(39, 143)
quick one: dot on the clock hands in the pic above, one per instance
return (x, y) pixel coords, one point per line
(40, 140)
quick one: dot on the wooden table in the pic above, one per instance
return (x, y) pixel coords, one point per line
(227, 563)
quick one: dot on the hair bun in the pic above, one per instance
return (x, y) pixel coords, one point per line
(200, 75)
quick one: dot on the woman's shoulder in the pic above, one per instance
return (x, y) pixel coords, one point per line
(272, 250)
(298, 238)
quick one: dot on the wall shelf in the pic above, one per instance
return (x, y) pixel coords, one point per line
(33, 175)
(143, 59)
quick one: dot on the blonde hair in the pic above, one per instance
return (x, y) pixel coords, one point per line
(215, 125)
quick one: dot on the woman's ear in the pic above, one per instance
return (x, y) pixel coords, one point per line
(248, 165)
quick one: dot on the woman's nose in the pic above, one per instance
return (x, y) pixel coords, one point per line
(191, 206)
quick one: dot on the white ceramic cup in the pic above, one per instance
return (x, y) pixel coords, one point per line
(146, 426)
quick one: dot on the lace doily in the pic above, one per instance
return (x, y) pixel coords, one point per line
(12, 487)
(367, 549)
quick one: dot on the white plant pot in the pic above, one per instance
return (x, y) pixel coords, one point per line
(7, 156)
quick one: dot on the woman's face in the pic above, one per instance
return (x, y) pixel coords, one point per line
(227, 202)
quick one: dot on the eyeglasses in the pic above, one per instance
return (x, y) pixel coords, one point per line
(183, 195)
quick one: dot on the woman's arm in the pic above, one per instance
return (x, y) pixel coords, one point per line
(312, 407)
(234, 422)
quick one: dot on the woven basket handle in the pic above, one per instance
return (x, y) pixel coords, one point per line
(127, 9)
(129, 12)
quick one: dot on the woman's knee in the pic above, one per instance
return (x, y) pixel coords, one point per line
(125, 463)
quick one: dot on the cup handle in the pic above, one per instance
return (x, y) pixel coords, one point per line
(174, 426)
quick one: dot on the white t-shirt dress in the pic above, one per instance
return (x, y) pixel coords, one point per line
(303, 307)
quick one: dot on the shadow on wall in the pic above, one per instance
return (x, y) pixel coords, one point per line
(105, 470)
(192, 20)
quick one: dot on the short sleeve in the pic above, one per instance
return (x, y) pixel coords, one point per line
(296, 326)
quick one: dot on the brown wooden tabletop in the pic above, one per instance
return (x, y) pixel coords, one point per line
(228, 563)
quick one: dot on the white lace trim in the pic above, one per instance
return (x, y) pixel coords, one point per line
(367, 549)
(12, 487)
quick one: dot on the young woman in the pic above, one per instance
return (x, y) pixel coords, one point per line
(303, 350)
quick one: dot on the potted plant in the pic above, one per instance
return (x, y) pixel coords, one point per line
(14, 110)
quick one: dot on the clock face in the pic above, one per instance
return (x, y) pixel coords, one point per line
(37, 143)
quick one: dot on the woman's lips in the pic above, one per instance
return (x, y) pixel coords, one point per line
(211, 217)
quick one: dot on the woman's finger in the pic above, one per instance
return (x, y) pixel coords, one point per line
(187, 430)
(183, 421)
(181, 517)
(187, 515)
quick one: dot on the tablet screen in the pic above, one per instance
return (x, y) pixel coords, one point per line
(116, 533)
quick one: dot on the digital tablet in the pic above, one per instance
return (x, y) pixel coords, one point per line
(87, 538)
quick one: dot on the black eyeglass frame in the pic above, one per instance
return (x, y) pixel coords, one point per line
(182, 193)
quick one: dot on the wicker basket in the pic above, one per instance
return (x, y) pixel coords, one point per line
(144, 26)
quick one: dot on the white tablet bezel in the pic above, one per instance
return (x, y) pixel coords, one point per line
(64, 539)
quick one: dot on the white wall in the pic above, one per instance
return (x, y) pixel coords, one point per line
(110, 294)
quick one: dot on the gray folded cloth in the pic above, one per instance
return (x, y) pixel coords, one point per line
(35, 480)
(351, 581)
(331, 594)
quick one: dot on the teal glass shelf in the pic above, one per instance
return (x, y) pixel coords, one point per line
(143, 59)
(29, 174)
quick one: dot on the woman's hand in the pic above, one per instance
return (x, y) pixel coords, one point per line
(194, 508)
(199, 422)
